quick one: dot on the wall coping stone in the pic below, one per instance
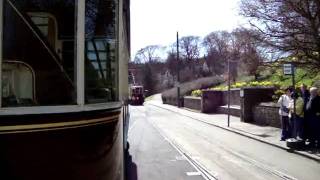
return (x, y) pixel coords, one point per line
(258, 87)
(269, 104)
(232, 89)
(191, 97)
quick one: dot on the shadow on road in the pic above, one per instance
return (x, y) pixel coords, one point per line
(131, 168)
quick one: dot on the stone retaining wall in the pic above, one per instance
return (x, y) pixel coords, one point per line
(266, 114)
(212, 99)
(192, 102)
(234, 97)
(252, 97)
(172, 101)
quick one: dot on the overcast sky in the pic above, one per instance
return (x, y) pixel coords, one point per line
(157, 21)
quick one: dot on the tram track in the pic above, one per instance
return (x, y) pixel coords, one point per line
(252, 161)
(207, 174)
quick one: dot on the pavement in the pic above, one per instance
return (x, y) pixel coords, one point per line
(264, 134)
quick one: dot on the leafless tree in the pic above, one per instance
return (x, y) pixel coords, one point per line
(189, 49)
(216, 49)
(288, 26)
(149, 53)
(251, 54)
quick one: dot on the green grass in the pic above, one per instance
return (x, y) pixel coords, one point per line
(270, 77)
(301, 76)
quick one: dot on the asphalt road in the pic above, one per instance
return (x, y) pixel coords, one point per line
(166, 145)
(151, 156)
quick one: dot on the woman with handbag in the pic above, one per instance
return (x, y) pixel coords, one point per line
(284, 102)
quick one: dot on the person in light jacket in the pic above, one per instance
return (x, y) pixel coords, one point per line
(297, 116)
(284, 102)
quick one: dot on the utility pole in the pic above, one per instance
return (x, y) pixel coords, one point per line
(294, 90)
(229, 91)
(178, 73)
(289, 69)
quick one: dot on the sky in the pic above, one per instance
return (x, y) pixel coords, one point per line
(156, 22)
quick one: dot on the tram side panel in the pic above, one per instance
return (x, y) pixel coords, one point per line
(86, 152)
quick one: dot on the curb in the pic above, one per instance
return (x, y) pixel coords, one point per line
(244, 134)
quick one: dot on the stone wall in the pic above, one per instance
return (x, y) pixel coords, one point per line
(234, 111)
(266, 114)
(172, 101)
(211, 100)
(234, 97)
(252, 97)
(192, 102)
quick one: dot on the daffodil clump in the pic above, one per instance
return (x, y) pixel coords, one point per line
(198, 92)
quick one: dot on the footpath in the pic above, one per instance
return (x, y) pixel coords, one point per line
(264, 134)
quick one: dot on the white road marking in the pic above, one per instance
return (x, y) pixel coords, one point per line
(180, 158)
(195, 157)
(197, 173)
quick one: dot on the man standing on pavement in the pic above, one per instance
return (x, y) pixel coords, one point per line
(305, 94)
(284, 102)
(313, 117)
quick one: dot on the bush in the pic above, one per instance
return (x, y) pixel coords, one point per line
(248, 84)
(277, 94)
(187, 88)
(198, 92)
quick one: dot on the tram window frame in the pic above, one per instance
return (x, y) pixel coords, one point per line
(54, 65)
(79, 72)
(113, 42)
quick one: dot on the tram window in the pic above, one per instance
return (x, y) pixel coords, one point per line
(101, 64)
(40, 34)
(46, 24)
(18, 84)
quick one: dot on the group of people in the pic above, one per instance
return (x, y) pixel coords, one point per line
(300, 115)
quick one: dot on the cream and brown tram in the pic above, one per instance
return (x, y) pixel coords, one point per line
(63, 89)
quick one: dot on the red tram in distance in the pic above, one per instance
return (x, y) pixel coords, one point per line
(136, 95)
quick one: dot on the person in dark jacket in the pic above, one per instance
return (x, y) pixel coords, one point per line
(305, 94)
(313, 117)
